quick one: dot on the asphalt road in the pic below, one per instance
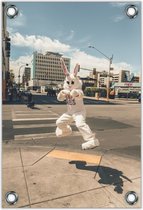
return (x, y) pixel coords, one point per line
(44, 99)
(117, 126)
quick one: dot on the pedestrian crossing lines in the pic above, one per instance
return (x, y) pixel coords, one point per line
(35, 124)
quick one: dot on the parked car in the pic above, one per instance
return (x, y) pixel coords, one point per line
(51, 92)
(38, 91)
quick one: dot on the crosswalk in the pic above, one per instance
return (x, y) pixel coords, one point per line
(32, 124)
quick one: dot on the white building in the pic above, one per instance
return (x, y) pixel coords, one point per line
(47, 68)
(126, 87)
(115, 78)
(102, 81)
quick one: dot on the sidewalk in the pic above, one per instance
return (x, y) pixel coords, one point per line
(116, 100)
(47, 177)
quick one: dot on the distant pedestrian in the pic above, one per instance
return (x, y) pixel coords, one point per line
(10, 95)
(19, 95)
(30, 102)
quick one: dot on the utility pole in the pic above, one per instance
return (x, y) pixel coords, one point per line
(108, 75)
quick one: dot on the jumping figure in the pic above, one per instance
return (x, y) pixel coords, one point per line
(73, 95)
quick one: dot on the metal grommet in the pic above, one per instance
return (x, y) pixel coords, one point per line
(131, 197)
(11, 197)
(11, 11)
(131, 11)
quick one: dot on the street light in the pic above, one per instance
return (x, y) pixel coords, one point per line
(19, 73)
(108, 75)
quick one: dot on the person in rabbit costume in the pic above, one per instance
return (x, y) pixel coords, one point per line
(73, 95)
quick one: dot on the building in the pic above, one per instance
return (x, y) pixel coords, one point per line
(27, 73)
(26, 76)
(126, 76)
(102, 81)
(124, 83)
(136, 79)
(123, 75)
(115, 78)
(47, 68)
(88, 82)
(100, 77)
(126, 88)
(5, 53)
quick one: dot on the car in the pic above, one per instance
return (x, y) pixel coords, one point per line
(51, 92)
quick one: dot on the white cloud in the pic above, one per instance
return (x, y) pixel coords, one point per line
(43, 44)
(123, 66)
(70, 36)
(118, 18)
(18, 21)
(39, 43)
(118, 4)
(89, 62)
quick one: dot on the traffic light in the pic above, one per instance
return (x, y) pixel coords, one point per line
(7, 46)
(7, 75)
(94, 71)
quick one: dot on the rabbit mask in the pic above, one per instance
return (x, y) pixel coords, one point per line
(72, 81)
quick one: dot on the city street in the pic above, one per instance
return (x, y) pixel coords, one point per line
(55, 172)
(54, 65)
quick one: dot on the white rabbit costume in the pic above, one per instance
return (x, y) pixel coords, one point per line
(73, 95)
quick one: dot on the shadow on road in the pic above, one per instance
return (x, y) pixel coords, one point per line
(104, 123)
(35, 108)
(109, 176)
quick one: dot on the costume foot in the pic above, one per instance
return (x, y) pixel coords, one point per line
(90, 144)
(58, 132)
(66, 132)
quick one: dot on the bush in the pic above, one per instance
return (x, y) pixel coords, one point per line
(90, 91)
(103, 92)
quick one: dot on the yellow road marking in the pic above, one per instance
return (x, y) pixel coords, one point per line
(75, 156)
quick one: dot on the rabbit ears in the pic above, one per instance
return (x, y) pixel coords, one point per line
(65, 70)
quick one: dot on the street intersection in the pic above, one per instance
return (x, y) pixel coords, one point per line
(29, 136)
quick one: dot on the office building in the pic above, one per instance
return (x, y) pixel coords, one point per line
(115, 78)
(136, 79)
(123, 75)
(48, 67)
(26, 75)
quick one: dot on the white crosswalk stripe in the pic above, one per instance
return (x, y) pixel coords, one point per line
(36, 125)
(31, 119)
(34, 114)
(33, 124)
(40, 136)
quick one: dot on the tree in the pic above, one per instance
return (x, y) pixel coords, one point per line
(12, 76)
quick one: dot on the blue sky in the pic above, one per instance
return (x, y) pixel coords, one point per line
(69, 27)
